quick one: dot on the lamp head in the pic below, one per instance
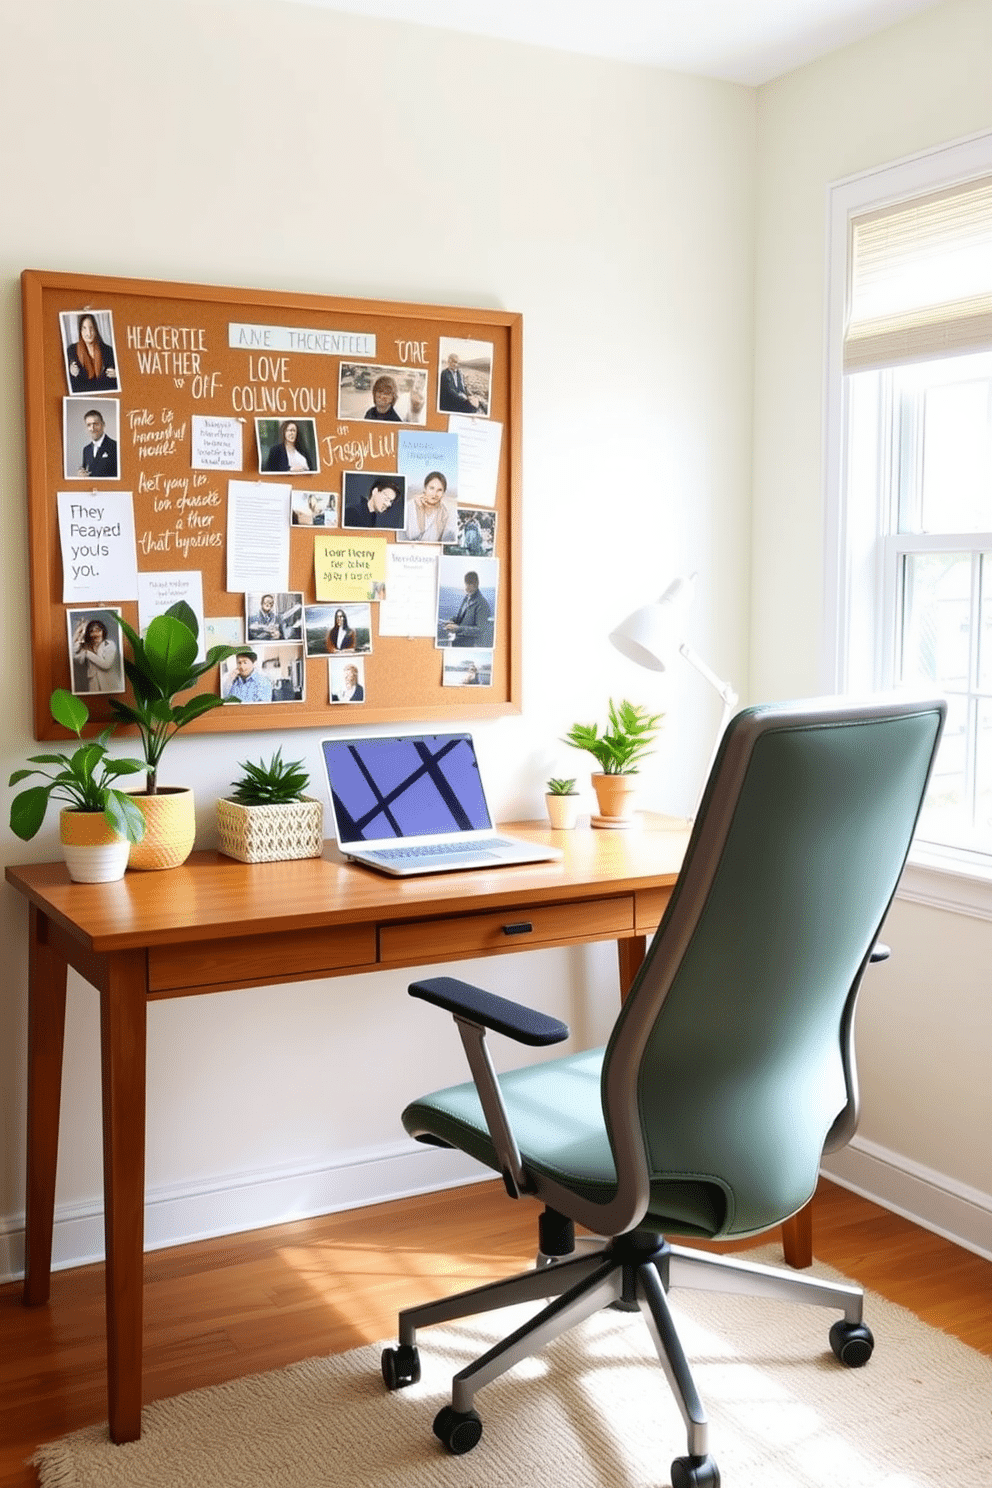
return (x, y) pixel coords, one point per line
(651, 635)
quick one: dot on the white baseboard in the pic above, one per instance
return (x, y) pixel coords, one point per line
(249, 1201)
(918, 1193)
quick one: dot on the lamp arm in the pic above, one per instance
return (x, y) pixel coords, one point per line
(729, 699)
(725, 690)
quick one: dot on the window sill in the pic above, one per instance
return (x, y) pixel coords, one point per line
(947, 880)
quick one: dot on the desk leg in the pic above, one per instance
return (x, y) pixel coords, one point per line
(797, 1238)
(46, 1039)
(797, 1232)
(630, 954)
(123, 1025)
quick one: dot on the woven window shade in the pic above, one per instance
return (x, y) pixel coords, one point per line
(921, 278)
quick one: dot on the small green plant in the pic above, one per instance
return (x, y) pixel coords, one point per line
(272, 784)
(628, 738)
(558, 787)
(81, 778)
(160, 667)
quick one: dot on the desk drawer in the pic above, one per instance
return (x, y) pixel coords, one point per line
(511, 930)
(260, 959)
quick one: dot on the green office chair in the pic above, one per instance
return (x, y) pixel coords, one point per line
(730, 1069)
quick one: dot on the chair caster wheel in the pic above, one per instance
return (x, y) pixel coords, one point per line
(458, 1430)
(695, 1472)
(400, 1366)
(852, 1343)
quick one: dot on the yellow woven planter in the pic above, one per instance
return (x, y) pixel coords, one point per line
(271, 834)
(170, 828)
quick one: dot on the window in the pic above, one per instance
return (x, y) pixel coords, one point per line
(909, 497)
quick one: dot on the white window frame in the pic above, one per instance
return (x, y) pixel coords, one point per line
(858, 600)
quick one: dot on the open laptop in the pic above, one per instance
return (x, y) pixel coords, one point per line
(416, 804)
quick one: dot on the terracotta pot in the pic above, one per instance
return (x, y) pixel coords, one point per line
(170, 828)
(615, 795)
(93, 851)
(563, 811)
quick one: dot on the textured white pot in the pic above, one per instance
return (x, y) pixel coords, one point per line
(93, 851)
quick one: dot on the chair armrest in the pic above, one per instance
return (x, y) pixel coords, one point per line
(502, 1015)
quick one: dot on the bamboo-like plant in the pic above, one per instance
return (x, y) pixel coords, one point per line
(81, 778)
(161, 666)
(624, 743)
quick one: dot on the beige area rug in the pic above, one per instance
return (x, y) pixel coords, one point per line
(592, 1411)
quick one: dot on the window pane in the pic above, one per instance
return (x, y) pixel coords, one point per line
(947, 814)
(936, 620)
(957, 458)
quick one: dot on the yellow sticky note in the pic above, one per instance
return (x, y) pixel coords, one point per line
(349, 567)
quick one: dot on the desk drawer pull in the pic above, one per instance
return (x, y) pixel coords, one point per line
(523, 927)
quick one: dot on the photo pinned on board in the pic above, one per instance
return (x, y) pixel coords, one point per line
(475, 536)
(287, 446)
(89, 438)
(274, 616)
(346, 681)
(467, 668)
(333, 629)
(465, 376)
(386, 395)
(314, 508)
(90, 357)
(466, 602)
(97, 660)
(374, 499)
(265, 673)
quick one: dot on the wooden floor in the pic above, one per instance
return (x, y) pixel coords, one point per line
(229, 1307)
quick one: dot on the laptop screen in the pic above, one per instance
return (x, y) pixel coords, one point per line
(416, 786)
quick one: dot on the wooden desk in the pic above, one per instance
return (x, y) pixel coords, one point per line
(215, 924)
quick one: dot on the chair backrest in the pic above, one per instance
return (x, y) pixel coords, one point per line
(728, 1065)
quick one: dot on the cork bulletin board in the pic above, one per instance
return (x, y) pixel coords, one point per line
(194, 389)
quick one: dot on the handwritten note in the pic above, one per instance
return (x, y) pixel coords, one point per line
(216, 443)
(99, 557)
(349, 567)
(158, 592)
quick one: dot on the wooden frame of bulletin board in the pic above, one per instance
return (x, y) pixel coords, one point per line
(203, 378)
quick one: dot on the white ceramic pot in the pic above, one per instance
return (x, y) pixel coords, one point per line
(93, 851)
(563, 811)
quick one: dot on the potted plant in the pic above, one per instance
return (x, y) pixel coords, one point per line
(161, 666)
(100, 822)
(562, 801)
(618, 751)
(267, 818)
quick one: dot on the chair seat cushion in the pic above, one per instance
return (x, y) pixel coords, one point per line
(556, 1114)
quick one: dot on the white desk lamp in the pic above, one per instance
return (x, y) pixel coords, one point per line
(652, 636)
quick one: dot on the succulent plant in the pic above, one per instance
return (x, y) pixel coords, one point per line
(271, 784)
(557, 787)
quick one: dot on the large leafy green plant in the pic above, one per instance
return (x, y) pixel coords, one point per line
(628, 738)
(161, 666)
(81, 778)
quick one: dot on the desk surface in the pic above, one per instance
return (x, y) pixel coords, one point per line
(212, 897)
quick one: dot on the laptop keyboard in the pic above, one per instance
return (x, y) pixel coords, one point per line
(433, 850)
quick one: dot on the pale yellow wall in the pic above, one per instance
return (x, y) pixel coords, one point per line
(925, 1028)
(287, 147)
